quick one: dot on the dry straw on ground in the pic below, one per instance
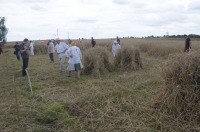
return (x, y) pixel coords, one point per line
(159, 50)
(128, 59)
(119, 101)
(40, 48)
(181, 94)
(97, 61)
(84, 46)
(8, 46)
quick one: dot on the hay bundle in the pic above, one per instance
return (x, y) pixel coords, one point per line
(40, 48)
(97, 61)
(128, 59)
(159, 50)
(181, 94)
(84, 46)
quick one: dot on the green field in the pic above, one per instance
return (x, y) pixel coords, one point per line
(119, 101)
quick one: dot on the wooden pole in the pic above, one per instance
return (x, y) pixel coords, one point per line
(29, 82)
(15, 91)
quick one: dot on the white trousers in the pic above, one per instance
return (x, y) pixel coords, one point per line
(32, 51)
(62, 63)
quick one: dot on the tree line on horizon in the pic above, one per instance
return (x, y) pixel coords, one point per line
(167, 36)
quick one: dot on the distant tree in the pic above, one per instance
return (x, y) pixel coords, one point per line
(194, 36)
(3, 30)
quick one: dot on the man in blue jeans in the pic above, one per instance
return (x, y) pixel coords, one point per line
(25, 55)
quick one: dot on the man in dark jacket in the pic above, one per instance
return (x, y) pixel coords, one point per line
(17, 51)
(187, 44)
(93, 42)
(25, 55)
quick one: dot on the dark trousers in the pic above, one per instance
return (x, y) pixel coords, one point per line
(186, 50)
(18, 55)
(25, 65)
(51, 57)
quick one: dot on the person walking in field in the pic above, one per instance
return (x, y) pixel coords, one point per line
(187, 44)
(75, 57)
(118, 40)
(60, 49)
(68, 44)
(51, 50)
(93, 42)
(79, 41)
(25, 55)
(115, 48)
(31, 47)
(69, 41)
(17, 50)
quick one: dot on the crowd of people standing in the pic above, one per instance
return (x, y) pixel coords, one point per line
(69, 51)
(66, 51)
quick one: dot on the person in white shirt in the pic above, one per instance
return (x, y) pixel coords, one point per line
(60, 49)
(69, 45)
(31, 47)
(75, 57)
(115, 48)
(51, 50)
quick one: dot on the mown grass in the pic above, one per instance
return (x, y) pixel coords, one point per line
(117, 101)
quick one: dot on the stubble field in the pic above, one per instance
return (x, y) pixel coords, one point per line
(117, 100)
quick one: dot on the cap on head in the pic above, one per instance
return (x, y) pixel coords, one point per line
(57, 40)
(25, 40)
(73, 43)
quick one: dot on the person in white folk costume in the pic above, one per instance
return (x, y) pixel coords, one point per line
(115, 48)
(75, 57)
(61, 48)
(31, 47)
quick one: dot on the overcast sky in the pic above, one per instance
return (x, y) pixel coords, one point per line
(40, 19)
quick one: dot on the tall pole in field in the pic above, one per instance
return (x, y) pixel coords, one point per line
(57, 33)
(16, 100)
(29, 81)
(68, 35)
(167, 34)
